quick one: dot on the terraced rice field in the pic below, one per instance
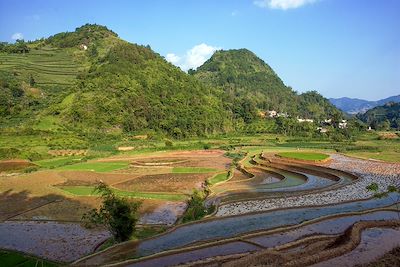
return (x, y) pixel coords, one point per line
(48, 66)
(268, 203)
(258, 209)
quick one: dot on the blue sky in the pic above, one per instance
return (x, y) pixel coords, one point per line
(337, 47)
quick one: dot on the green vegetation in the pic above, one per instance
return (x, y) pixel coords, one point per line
(96, 166)
(220, 177)
(58, 161)
(192, 170)
(250, 85)
(304, 155)
(196, 208)
(116, 213)
(383, 117)
(94, 82)
(12, 258)
(90, 191)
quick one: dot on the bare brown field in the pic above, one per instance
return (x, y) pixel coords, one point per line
(33, 196)
(170, 182)
(10, 165)
(196, 158)
(72, 209)
(92, 178)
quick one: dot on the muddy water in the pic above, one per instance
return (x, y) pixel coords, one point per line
(331, 226)
(233, 226)
(375, 243)
(50, 240)
(167, 213)
(204, 253)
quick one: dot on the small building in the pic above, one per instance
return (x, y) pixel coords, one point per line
(343, 124)
(83, 47)
(322, 130)
(272, 113)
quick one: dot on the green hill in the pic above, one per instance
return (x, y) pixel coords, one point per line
(383, 117)
(90, 80)
(251, 85)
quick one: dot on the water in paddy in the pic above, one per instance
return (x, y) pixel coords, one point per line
(238, 225)
(375, 242)
(329, 226)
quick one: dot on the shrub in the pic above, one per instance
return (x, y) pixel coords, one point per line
(168, 143)
(206, 146)
(116, 213)
(196, 209)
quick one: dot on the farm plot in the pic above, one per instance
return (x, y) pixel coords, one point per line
(11, 165)
(368, 172)
(12, 258)
(308, 156)
(48, 67)
(170, 182)
(96, 166)
(275, 239)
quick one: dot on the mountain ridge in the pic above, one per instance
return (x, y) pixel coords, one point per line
(356, 105)
(124, 87)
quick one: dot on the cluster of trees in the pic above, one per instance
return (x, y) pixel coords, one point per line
(118, 214)
(19, 47)
(131, 88)
(250, 85)
(383, 117)
(12, 95)
(135, 89)
(86, 34)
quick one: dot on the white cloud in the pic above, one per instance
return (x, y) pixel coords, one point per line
(193, 58)
(282, 4)
(174, 59)
(17, 36)
(234, 13)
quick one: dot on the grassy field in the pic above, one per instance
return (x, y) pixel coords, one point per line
(96, 166)
(220, 177)
(47, 66)
(89, 191)
(304, 155)
(58, 161)
(192, 170)
(11, 259)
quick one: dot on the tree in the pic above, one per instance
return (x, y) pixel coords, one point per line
(196, 209)
(21, 47)
(118, 214)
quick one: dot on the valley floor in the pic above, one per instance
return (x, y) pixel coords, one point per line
(295, 212)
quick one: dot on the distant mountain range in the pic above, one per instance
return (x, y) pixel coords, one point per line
(355, 105)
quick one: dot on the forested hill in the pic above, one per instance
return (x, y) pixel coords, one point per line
(355, 105)
(251, 84)
(90, 80)
(383, 117)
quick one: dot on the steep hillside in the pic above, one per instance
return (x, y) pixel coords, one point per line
(383, 117)
(93, 81)
(251, 84)
(355, 105)
(90, 80)
(134, 88)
